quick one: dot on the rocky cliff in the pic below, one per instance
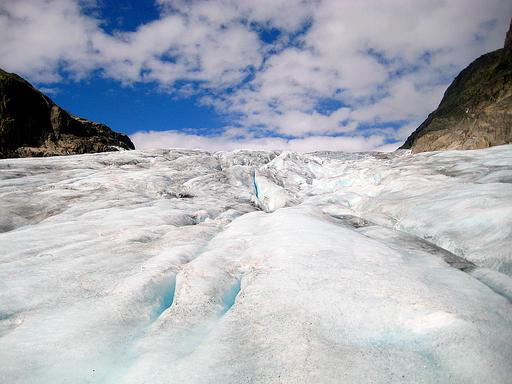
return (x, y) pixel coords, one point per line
(33, 125)
(476, 110)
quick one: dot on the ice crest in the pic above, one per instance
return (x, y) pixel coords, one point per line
(256, 266)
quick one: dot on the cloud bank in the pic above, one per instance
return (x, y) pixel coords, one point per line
(298, 74)
(167, 139)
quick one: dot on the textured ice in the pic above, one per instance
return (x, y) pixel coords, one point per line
(183, 266)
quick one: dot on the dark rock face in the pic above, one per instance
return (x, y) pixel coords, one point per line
(32, 125)
(476, 110)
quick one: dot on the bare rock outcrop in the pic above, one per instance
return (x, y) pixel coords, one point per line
(476, 110)
(31, 124)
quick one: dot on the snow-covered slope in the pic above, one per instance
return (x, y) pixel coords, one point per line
(180, 266)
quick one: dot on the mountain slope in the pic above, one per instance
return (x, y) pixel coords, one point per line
(476, 110)
(33, 125)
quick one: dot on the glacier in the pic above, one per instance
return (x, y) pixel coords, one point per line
(186, 266)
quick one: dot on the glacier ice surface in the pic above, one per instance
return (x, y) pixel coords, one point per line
(183, 266)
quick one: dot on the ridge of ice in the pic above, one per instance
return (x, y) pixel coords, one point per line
(256, 267)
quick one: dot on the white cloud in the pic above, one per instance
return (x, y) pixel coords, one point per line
(403, 102)
(43, 37)
(288, 15)
(380, 61)
(38, 36)
(176, 139)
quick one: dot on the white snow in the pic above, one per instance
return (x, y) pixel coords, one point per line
(183, 266)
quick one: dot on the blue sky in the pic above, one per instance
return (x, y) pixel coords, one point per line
(137, 106)
(134, 107)
(289, 74)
